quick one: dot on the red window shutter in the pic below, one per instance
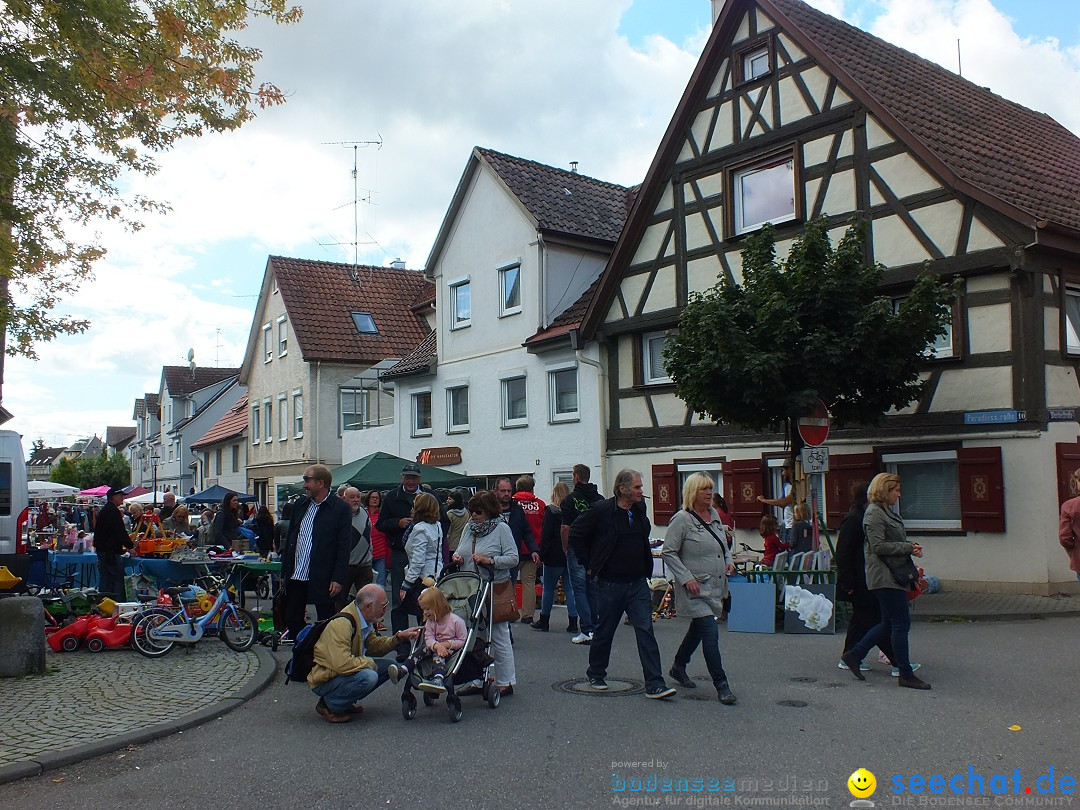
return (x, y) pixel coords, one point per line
(665, 493)
(1068, 460)
(845, 471)
(743, 481)
(982, 489)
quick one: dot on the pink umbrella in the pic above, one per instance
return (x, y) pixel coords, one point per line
(96, 492)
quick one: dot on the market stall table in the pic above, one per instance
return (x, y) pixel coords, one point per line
(80, 568)
(256, 567)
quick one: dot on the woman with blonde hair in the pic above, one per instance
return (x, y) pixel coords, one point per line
(424, 549)
(698, 558)
(886, 539)
(553, 556)
(444, 632)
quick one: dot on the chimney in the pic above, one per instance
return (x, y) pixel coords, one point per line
(717, 7)
(573, 166)
(398, 264)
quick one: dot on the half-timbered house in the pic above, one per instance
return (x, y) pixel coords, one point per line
(791, 114)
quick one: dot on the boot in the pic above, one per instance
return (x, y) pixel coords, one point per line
(723, 692)
(678, 674)
(572, 626)
(542, 622)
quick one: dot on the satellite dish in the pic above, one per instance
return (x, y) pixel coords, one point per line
(190, 355)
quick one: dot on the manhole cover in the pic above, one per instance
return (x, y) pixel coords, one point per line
(617, 687)
(794, 704)
(804, 679)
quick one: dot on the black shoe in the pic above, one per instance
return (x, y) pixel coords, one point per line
(541, 623)
(526, 620)
(599, 684)
(912, 682)
(658, 692)
(572, 626)
(853, 665)
(723, 692)
(678, 674)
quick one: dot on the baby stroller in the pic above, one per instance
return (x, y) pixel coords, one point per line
(470, 597)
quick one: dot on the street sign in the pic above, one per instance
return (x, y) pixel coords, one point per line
(814, 428)
(814, 460)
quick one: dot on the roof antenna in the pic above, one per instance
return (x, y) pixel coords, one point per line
(959, 67)
(356, 192)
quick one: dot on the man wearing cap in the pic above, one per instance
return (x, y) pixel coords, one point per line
(110, 541)
(395, 515)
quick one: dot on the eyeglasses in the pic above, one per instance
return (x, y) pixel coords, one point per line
(385, 604)
(476, 511)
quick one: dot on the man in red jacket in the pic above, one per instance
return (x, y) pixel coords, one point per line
(528, 540)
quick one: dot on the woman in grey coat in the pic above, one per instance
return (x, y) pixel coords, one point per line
(699, 560)
(886, 537)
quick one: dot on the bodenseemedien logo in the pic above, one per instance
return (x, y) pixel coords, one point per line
(862, 784)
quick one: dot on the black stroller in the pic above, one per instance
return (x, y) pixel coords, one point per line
(470, 598)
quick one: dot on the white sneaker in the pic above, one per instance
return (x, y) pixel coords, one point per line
(397, 672)
(582, 638)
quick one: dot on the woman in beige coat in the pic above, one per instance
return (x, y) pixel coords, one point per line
(886, 537)
(699, 560)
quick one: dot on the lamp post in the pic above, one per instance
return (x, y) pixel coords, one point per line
(154, 459)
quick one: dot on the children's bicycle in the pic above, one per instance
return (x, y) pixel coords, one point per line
(155, 631)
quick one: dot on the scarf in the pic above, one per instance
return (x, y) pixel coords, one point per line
(485, 527)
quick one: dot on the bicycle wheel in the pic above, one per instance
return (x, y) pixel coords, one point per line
(140, 639)
(238, 628)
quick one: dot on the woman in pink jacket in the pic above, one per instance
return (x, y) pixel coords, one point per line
(1069, 529)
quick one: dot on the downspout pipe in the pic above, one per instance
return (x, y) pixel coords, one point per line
(601, 411)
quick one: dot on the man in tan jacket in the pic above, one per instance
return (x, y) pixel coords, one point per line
(343, 673)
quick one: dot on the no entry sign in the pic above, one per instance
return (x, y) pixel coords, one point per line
(814, 428)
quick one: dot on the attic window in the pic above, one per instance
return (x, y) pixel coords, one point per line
(755, 60)
(365, 324)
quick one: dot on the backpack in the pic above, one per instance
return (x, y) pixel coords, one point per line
(303, 656)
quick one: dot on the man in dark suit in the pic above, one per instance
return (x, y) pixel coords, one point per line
(315, 560)
(110, 541)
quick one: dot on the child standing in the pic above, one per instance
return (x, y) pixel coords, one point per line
(773, 545)
(802, 533)
(444, 632)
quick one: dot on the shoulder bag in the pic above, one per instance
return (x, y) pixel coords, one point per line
(903, 570)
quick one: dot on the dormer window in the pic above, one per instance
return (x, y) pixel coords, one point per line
(364, 323)
(755, 60)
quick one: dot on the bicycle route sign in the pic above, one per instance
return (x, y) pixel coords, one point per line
(814, 460)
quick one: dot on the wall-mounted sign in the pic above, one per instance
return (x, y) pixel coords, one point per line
(439, 456)
(1061, 414)
(994, 417)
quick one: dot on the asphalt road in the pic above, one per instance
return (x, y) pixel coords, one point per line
(547, 747)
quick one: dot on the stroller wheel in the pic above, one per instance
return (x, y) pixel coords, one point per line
(454, 707)
(493, 696)
(408, 706)
(430, 698)
(485, 690)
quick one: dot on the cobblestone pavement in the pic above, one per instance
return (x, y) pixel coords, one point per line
(88, 697)
(988, 606)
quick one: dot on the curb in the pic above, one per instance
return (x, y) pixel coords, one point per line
(993, 617)
(68, 756)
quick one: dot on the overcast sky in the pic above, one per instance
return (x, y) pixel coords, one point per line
(594, 81)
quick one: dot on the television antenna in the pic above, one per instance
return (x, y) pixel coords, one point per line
(355, 145)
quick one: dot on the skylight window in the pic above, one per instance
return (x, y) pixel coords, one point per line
(365, 324)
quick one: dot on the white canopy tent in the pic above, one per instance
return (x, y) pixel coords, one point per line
(147, 497)
(47, 489)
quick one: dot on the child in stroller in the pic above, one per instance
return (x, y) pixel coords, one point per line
(443, 633)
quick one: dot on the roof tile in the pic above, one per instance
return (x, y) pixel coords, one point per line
(233, 423)
(420, 359)
(182, 380)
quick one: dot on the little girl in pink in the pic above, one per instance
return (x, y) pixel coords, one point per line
(444, 633)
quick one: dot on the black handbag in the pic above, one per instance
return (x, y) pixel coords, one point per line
(903, 570)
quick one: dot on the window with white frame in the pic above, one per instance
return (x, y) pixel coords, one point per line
(256, 424)
(268, 344)
(941, 348)
(652, 360)
(510, 288)
(171, 451)
(929, 488)
(460, 305)
(298, 413)
(764, 193)
(217, 461)
(515, 402)
(563, 394)
(421, 413)
(352, 408)
(236, 458)
(268, 418)
(755, 63)
(566, 476)
(712, 468)
(457, 409)
(282, 336)
(1072, 320)
(283, 417)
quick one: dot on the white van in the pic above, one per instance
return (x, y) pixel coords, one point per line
(13, 493)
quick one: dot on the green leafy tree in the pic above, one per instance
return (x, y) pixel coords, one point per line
(758, 355)
(66, 472)
(89, 91)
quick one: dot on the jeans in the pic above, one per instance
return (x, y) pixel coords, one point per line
(379, 567)
(399, 614)
(895, 624)
(703, 630)
(634, 599)
(342, 691)
(552, 575)
(584, 595)
(865, 615)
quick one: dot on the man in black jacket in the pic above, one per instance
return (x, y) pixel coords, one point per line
(611, 539)
(395, 515)
(110, 541)
(583, 496)
(315, 560)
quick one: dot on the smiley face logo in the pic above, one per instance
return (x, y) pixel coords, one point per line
(862, 783)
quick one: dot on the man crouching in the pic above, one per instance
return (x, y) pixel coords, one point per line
(343, 673)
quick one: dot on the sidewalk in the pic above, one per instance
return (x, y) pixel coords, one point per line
(92, 703)
(991, 606)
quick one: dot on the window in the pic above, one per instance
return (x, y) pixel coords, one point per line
(515, 406)
(6, 486)
(755, 63)
(236, 458)
(652, 361)
(217, 461)
(566, 476)
(364, 323)
(457, 409)
(510, 286)
(352, 409)
(421, 409)
(362, 403)
(814, 496)
(298, 414)
(268, 419)
(283, 418)
(460, 305)
(268, 344)
(1071, 320)
(282, 337)
(712, 468)
(941, 348)
(563, 393)
(764, 193)
(171, 457)
(929, 488)
(256, 425)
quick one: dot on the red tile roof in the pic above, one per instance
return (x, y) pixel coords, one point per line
(320, 297)
(119, 436)
(419, 360)
(232, 424)
(181, 380)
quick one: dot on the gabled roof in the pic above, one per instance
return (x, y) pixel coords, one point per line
(319, 298)
(225, 390)
(561, 202)
(94, 446)
(181, 380)
(46, 456)
(1015, 160)
(119, 437)
(152, 404)
(232, 424)
(420, 360)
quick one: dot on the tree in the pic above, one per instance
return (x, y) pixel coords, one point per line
(92, 471)
(65, 472)
(90, 91)
(815, 326)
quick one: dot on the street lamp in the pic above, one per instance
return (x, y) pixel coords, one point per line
(154, 459)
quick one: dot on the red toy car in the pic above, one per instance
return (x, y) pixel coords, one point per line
(109, 633)
(70, 636)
